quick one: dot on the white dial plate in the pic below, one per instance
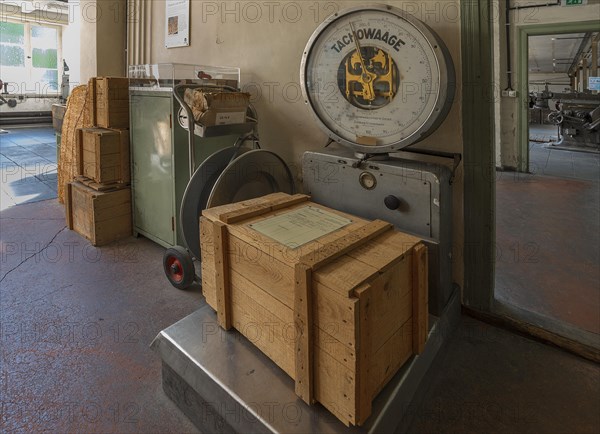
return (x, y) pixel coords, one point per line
(402, 63)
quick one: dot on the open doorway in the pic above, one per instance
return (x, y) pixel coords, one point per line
(563, 114)
(548, 215)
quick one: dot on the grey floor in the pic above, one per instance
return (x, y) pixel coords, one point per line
(77, 322)
(27, 165)
(543, 133)
(547, 228)
(544, 160)
(488, 380)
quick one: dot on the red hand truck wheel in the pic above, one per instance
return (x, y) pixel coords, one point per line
(179, 267)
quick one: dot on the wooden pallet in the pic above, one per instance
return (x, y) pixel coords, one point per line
(101, 187)
(354, 300)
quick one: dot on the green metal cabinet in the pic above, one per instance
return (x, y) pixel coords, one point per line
(159, 159)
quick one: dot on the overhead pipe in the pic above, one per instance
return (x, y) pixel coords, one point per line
(594, 69)
(138, 33)
(508, 48)
(543, 5)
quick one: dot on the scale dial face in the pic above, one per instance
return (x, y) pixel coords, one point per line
(377, 79)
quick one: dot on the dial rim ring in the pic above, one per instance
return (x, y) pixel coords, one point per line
(444, 66)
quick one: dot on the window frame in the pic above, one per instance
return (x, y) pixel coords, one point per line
(28, 57)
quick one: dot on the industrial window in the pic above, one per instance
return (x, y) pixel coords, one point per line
(29, 57)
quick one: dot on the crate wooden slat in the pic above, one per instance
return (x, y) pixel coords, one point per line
(339, 314)
(103, 155)
(100, 216)
(110, 102)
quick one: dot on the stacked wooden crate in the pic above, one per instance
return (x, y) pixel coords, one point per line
(98, 202)
(340, 311)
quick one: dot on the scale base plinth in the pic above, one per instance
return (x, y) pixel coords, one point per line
(223, 383)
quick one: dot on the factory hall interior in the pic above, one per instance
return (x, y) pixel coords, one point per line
(300, 216)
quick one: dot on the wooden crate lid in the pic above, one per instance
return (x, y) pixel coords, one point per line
(344, 273)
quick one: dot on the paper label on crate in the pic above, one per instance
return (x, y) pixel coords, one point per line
(230, 118)
(298, 227)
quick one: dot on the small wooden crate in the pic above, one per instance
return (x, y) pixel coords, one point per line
(100, 216)
(103, 155)
(339, 314)
(110, 102)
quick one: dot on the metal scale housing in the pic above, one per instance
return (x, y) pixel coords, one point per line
(420, 193)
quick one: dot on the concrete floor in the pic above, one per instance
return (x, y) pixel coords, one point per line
(27, 165)
(548, 236)
(488, 380)
(76, 324)
(544, 160)
(548, 248)
(543, 133)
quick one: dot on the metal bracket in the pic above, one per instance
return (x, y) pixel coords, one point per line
(361, 160)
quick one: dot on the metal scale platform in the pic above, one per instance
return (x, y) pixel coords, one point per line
(355, 73)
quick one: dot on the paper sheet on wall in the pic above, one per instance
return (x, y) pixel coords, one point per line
(303, 225)
(177, 25)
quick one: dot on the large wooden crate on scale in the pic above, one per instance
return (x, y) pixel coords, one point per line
(339, 303)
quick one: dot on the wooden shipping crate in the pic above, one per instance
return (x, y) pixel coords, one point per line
(103, 155)
(110, 102)
(100, 216)
(340, 314)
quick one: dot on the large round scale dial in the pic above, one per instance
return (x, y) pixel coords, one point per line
(376, 78)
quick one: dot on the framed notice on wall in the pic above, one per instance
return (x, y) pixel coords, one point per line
(177, 23)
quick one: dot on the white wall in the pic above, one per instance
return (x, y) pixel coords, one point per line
(269, 51)
(102, 38)
(72, 46)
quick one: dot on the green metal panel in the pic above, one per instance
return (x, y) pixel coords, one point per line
(478, 156)
(160, 170)
(152, 166)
